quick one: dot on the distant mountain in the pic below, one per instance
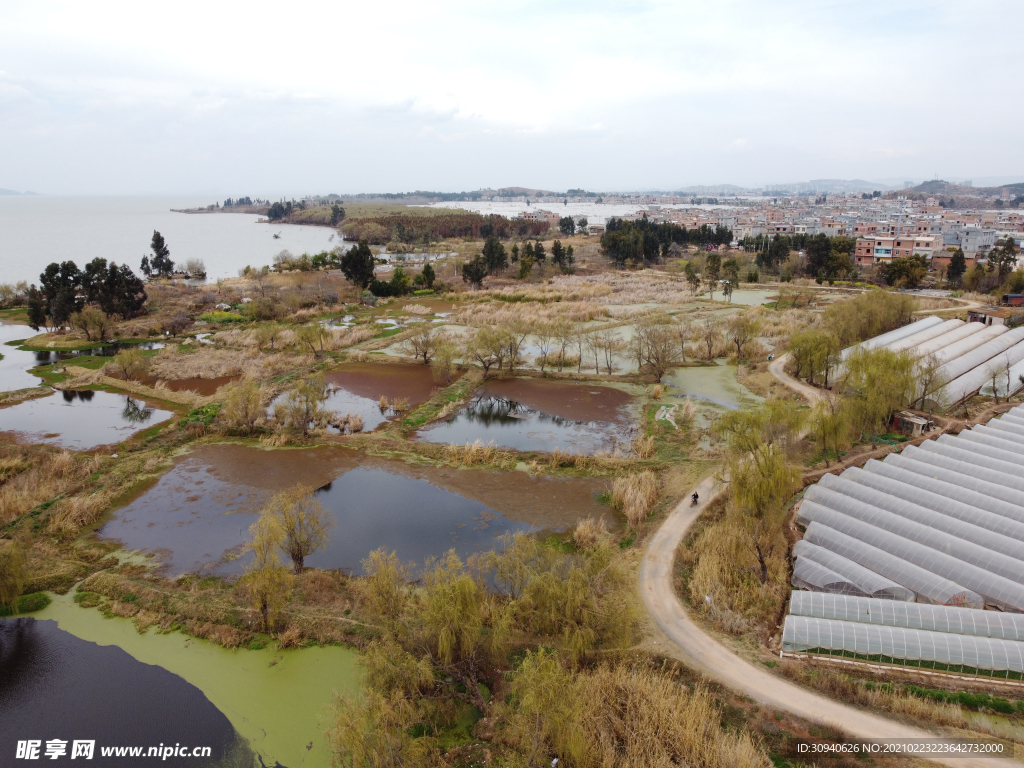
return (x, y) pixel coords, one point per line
(15, 192)
(834, 186)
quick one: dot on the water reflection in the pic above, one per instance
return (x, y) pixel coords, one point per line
(79, 419)
(54, 685)
(108, 349)
(197, 517)
(509, 423)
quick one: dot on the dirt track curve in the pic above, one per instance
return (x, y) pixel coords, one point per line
(700, 651)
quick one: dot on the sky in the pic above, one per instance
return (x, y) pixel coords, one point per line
(269, 99)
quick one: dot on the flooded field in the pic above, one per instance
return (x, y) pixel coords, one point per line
(275, 700)
(16, 362)
(54, 685)
(715, 384)
(197, 516)
(540, 415)
(80, 419)
(200, 386)
(358, 387)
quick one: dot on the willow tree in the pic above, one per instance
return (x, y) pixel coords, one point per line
(266, 582)
(878, 382)
(303, 523)
(302, 408)
(762, 474)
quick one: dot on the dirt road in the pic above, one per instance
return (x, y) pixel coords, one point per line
(699, 650)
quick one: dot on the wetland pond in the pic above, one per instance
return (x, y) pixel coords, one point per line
(356, 388)
(54, 685)
(712, 383)
(540, 415)
(16, 362)
(80, 419)
(69, 673)
(197, 516)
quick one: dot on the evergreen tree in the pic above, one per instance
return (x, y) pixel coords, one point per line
(475, 270)
(562, 257)
(494, 255)
(357, 265)
(60, 284)
(567, 226)
(957, 267)
(428, 275)
(161, 263)
(538, 251)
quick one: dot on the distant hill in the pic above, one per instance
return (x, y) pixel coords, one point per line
(15, 192)
(940, 188)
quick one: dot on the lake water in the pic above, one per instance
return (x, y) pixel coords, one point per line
(15, 363)
(80, 419)
(35, 230)
(197, 516)
(54, 685)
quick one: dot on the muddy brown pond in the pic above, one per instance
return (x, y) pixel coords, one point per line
(540, 415)
(357, 388)
(196, 518)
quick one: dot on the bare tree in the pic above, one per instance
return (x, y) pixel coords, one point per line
(742, 328)
(709, 333)
(654, 345)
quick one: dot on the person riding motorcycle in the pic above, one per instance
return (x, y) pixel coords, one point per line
(694, 498)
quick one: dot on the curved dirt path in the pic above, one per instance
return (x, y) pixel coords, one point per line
(700, 651)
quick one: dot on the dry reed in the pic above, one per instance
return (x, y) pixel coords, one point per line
(589, 532)
(643, 446)
(474, 453)
(416, 309)
(634, 496)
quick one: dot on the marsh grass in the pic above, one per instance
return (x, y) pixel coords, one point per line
(43, 478)
(635, 496)
(589, 532)
(643, 446)
(476, 454)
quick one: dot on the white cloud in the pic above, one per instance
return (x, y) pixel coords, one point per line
(345, 96)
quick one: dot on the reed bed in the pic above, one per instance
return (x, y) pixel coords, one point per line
(500, 313)
(475, 453)
(643, 446)
(635, 495)
(589, 532)
(416, 309)
(52, 475)
(211, 363)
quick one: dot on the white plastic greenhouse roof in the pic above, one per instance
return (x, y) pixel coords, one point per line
(916, 339)
(895, 335)
(804, 633)
(950, 337)
(986, 334)
(900, 557)
(968, 374)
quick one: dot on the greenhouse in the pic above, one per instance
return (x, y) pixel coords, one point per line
(950, 337)
(896, 335)
(914, 340)
(897, 613)
(888, 644)
(900, 558)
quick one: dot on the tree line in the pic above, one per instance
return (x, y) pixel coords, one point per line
(642, 241)
(412, 228)
(85, 298)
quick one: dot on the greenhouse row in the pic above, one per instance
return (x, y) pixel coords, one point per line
(967, 357)
(900, 557)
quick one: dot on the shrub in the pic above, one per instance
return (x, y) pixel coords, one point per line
(203, 415)
(223, 317)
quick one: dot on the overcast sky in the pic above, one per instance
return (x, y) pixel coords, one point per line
(296, 98)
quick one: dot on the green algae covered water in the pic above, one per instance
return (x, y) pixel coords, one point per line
(277, 700)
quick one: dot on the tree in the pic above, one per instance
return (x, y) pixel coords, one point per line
(906, 271)
(424, 343)
(92, 321)
(446, 354)
(489, 347)
(582, 225)
(525, 267)
(814, 352)
(742, 328)
(562, 257)
(266, 583)
(303, 521)
(567, 226)
(692, 277)
(337, 215)
(775, 255)
(761, 475)
(245, 406)
(474, 271)
(428, 275)
(731, 270)
(712, 271)
(880, 382)
(494, 255)
(654, 345)
(160, 264)
(59, 288)
(130, 362)
(957, 267)
(302, 407)
(830, 426)
(195, 269)
(1003, 258)
(546, 336)
(708, 333)
(312, 336)
(819, 254)
(930, 381)
(357, 265)
(538, 251)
